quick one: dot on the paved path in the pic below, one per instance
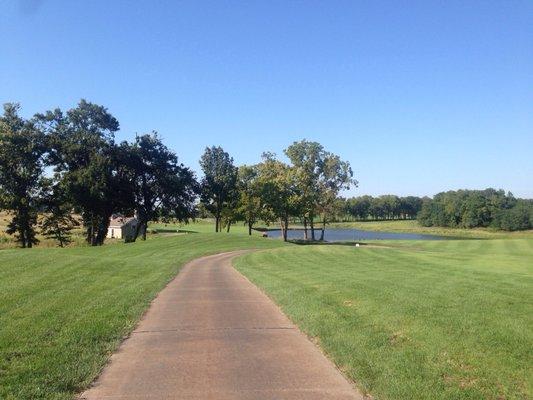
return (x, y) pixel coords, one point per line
(211, 334)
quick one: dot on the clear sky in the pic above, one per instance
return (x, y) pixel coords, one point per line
(420, 96)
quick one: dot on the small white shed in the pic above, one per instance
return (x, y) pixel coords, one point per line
(122, 227)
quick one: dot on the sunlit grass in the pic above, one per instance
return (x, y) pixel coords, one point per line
(64, 311)
(419, 320)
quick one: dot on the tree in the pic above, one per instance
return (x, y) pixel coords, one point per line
(58, 220)
(22, 152)
(278, 191)
(359, 207)
(336, 175)
(218, 187)
(307, 159)
(410, 207)
(85, 159)
(249, 205)
(162, 188)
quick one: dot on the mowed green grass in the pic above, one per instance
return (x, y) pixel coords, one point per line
(418, 320)
(64, 311)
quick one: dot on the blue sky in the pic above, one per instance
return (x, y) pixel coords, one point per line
(420, 97)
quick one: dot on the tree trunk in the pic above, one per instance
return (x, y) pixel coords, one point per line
(323, 229)
(137, 228)
(250, 228)
(312, 224)
(229, 225)
(22, 238)
(144, 229)
(102, 228)
(305, 229)
(286, 224)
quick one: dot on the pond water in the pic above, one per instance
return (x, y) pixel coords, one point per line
(337, 235)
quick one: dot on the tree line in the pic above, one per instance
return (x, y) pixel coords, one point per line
(61, 164)
(61, 169)
(477, 208)
(273, 191)
(379, 208)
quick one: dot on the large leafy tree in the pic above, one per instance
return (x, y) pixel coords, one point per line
(307, 159)
(249, 204)
(279, 192)
(162, 187)
(22, 152)
(336, 175)
(87, 162)
(58, 220)
(219, 184)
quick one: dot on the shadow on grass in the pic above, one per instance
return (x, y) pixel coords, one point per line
(168, 230)
(302, 242)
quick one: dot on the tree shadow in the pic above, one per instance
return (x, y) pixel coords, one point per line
(302, 242)
(168, 230)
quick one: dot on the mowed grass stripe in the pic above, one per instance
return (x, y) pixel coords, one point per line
(64, 311)
(429, 321)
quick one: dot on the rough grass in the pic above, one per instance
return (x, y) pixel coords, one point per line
(420, 320)
(64, 311)
(8, 241)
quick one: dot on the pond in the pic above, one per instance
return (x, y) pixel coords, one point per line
(338, 235)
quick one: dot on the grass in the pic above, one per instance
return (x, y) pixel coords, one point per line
(412, 226)
(418, 320)
(64, 311)
(408, 319)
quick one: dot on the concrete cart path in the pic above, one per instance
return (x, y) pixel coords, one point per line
(211, 334)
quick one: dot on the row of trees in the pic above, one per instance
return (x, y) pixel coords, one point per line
(477, 208)
(273, 191)
(60, 164)
(382, 207)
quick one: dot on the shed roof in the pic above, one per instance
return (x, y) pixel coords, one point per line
(120, 221)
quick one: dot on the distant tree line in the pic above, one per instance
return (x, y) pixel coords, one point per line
(477, 208)
(379, 208)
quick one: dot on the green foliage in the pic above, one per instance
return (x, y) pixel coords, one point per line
(383, 207)
(319, 176)
(219, 185)
(249, 204)
(58, 220)
(162, 188)
(279, 191)
(21, 170)
(518, 218)
(87, 163)
(476, 208)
